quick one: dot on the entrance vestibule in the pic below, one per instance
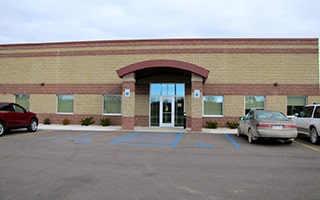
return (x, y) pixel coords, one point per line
(167, 80)
(167, 104)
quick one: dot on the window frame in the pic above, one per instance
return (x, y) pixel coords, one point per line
(103, 105)
(212, 115)
(57, 109)
(25, 105)
(245, 103)
(301, 106)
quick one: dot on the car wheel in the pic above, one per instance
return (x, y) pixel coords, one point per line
(1, 129)
(33, 126)
(314, 138)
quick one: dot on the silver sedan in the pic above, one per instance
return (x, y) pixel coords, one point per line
(267, 124)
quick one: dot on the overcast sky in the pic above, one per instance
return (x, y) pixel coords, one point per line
(37, 21)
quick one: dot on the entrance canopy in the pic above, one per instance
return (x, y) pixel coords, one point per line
(150, 64)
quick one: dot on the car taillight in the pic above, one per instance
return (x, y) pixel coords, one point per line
(261, 125)
(290, 126)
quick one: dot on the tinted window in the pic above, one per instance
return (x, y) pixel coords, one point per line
(271, 116)
(17, 108)
(317, 112)
(5, 107)
(307, 111)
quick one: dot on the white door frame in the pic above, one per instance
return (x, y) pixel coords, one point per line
(167, 116)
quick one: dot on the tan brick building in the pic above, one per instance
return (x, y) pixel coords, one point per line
(153, 82)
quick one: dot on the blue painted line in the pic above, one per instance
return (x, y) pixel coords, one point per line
(123, 138)
(74, 136)
(174, 144)
(232, 141)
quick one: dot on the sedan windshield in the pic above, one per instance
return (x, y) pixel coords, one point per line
(271, 115)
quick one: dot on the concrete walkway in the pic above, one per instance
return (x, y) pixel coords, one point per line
(138, 128)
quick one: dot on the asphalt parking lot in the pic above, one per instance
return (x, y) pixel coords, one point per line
(58, 164)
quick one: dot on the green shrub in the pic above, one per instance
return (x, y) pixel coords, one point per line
(47, 121)
(233, 125)
(212, 124)
(66, 122)
(87, 121)
(105, 122)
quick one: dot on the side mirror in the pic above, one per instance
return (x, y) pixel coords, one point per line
(241, 118)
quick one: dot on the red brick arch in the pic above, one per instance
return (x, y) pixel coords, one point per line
(163, 63)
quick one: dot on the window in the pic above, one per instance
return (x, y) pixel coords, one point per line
(317, 112)
(295, 105)
(112, 104)
(213, 105)
(254, 102)
(17, 108)
(23, 100)
(307, 112)
(65, 103)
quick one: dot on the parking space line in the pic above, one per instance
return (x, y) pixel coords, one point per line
(123, 138)
(74, 136)
(308, 146)
(232, 141)
(175, 142)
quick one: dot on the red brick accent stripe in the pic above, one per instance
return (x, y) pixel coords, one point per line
(208, 89)
(165, 51)
(262, 89)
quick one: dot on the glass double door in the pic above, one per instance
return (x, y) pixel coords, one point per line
(167, 111)
(166, 104)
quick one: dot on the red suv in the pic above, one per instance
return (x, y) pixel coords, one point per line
(14, 116)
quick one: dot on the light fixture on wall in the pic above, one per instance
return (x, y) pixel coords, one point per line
(275, 84)
(42, 84)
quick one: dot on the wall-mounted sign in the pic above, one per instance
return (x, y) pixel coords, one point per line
(196, 93)
(127, 92)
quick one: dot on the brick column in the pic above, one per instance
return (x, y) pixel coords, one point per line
(196, 102)
(128, 101)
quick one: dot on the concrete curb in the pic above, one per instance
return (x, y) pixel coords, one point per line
(142, 129)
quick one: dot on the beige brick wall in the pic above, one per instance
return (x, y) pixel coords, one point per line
(233, 106)
(278, 103)
(43, 103)
(88, 104)
(51, 70)
(313, 99)
(196, 106)
(224, 68)
(261, 69)
(128, 105)
(6, 97)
